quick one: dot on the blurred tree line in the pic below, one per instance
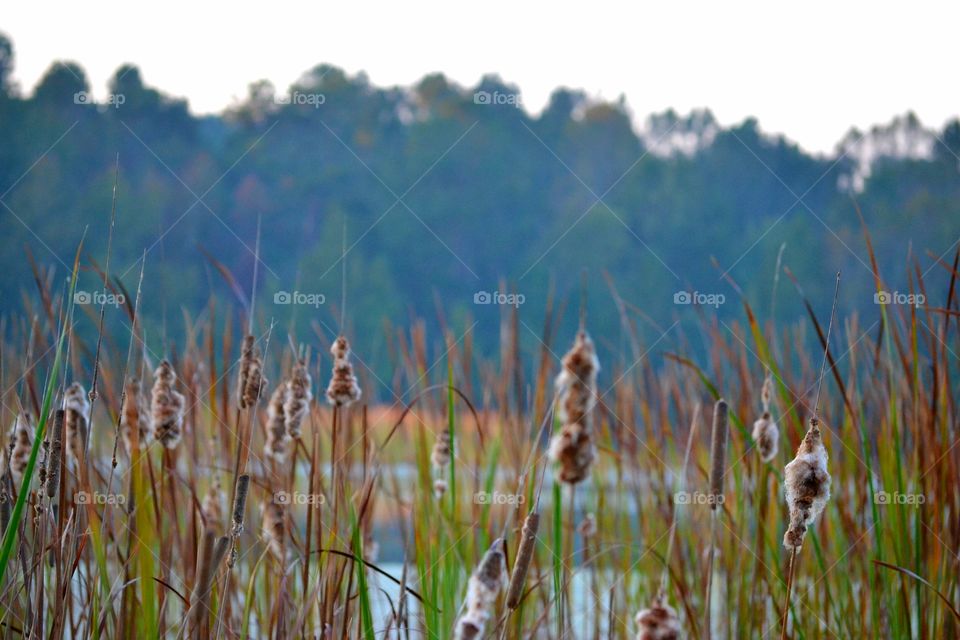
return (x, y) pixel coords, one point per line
(446, 191)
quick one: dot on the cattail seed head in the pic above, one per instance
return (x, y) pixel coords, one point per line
(439, 488)
(56, 453)
(440, 455)
(166, 406)
(343, 389)
(250, 383)
(572, 449)
(806, 485)
(298, 397)
(658, 622)
(134, 417)
(766, 435)
(718, 452)
(528, 543)
(21, 442)
(482, 590)
(277, 438)
(274, 527)
(766, 392)
(77, 418)
(212, 503)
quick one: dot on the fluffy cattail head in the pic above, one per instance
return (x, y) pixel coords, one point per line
(21, 442)
(251, 383)
(440, 456)
(766, 435)
(166, 406)
(299, 395)
(77, 418)
(343, 389)
(274, 527)
(807, 485)
(212, 507)
(482, 591)
(658, 622)
(572, 449)
(718, 452)
(134, 417)
(277, 438)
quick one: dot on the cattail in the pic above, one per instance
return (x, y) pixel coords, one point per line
(659, 622)
(167, 407)
(482, 591)
(56, 454)
(277, 438)
(572, 447)
(240, 503)
(21, 442)
(807, 485)
(298, 397)
(588, 526)
(274, 527)
(211, 508)
(766, 435)
(134, 417)
(77, 418)
(209, 557)
(528, 542)
(343, 389)
(718, 452)
(250, 383)
(440, 457)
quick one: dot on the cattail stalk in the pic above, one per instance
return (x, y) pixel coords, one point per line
(528, 543)
(718, 457)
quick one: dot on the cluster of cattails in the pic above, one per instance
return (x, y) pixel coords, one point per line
(274, 527)
(482, 590)
(766, 435)
(572, 448)
(658, 622)
(167, 405)
(77, 419)
(250, 383)
(135, 426)
(21, 442)
(343, 389)
(807, 485)
(440, 458)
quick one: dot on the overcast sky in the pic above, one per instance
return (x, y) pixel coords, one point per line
(810, 72)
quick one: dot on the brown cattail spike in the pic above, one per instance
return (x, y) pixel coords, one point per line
(250, 383)
(572, 448)
(134, 417)
(167, 405)
(807, 485)
(240, 503)
(56, 453)
(718, 452)
(77, 418)
(528, 543)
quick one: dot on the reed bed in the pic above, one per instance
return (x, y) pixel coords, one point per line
(272, 486)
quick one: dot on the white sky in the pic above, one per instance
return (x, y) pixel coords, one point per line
(810, 72)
